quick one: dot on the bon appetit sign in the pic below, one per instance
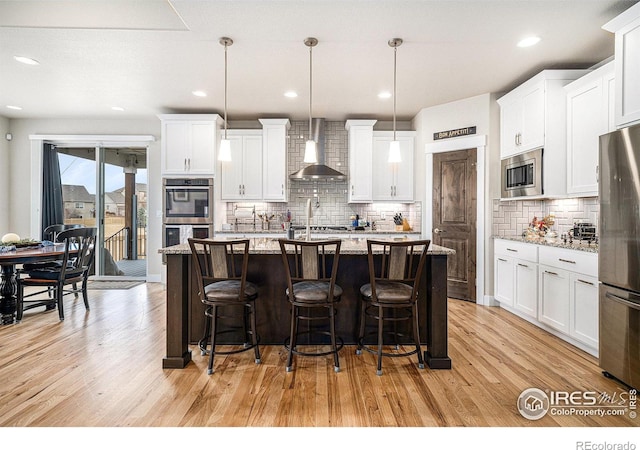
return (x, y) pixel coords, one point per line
(454, 133)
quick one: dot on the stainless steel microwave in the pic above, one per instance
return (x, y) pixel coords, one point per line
(522, 174)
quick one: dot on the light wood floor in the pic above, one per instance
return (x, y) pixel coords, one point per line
(103, 368)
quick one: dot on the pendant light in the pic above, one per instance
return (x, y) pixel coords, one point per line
(225, 144)
(394, 147)
(310, 152)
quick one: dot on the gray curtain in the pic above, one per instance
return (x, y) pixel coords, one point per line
(52, 205)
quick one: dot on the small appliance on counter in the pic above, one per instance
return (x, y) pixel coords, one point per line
(583, 231)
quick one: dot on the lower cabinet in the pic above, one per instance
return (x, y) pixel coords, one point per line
(525, 299)
(583, 309)
(554, 288)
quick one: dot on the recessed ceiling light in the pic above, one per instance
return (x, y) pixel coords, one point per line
(18, 108)
(291, 94)
(26, 60)
(199, 93)
(384, 94)
(529, 41)
(117, 108)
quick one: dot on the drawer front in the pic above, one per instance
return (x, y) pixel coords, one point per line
(573, 260)
(519, 250)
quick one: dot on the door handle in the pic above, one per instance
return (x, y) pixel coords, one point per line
(622, 300)
(438, 231)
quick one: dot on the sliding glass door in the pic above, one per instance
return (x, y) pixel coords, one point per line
(106, 187)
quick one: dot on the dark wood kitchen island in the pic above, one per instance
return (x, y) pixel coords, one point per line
(185, 312)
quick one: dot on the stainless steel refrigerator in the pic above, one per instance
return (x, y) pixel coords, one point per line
(619, 255)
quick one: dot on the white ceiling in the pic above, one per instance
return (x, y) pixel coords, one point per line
(147, 56)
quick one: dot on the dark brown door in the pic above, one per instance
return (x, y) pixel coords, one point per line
(454, 218)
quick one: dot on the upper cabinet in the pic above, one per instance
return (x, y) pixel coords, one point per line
(241, 178)
(360, 160)
(275, 179)
(393, 181)
(533, 115)
(371, 177)
(590, 113)
(189, 143)
(627, 65)
(522, 119)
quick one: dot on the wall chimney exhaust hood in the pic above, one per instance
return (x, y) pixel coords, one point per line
(318, 171)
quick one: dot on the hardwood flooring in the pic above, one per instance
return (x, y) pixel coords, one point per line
(103, 368)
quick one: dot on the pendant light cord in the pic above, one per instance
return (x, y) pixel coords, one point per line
(310, 88)
(395, 57)
(225, 90)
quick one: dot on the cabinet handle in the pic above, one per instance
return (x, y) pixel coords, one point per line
(282, 191)
(391, 193)
(597, 174)
(185, 164)
(512, 250)
(585, 282)
(503, 260)
(239, 189)
(352, 190)
(515, 139)
(189, 164)
(550, 273)
(566, 260)
(523, 265)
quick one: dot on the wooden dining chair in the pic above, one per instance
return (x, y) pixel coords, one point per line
(72, 269)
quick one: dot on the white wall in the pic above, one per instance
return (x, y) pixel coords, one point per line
(482, 112)
(4, 177)
(21, 218)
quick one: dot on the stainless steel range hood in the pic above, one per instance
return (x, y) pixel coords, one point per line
(318, 171)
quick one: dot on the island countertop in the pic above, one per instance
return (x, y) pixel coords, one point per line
(270, 246)
(185, 311)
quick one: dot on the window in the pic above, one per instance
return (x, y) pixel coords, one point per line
(79, 205)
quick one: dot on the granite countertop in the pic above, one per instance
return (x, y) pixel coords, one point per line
(576, 245)
(336, 232)
(269, 246)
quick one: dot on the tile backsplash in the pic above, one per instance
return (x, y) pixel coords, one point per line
(329, 198)
(511, 218)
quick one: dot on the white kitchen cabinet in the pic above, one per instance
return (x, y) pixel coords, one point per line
(241, 178)
(533, 115)
(504, 276)
(626, 27)
(275, 179)
(189, 143)
(555, 287)
(569, 293)
(515, 276)
(393, 181)
(589, 115)
(583, 307)
(360, 160)
(522, 119)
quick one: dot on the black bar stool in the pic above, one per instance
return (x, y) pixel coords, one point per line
(221, 268)
(391, 296)
(311, 268)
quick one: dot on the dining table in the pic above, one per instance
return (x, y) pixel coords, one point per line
(9, 262)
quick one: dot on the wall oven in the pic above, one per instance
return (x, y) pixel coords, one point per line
(522, 174)
(187, 200)
(187, 205)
